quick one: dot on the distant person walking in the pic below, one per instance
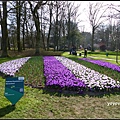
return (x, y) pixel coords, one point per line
(85, 52)
(73, 50)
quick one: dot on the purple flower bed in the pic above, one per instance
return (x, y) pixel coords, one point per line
(103, 63)
(58, 75)
(92, 79)
(11, 67)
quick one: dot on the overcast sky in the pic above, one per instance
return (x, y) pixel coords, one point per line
(84, 4)
(83, 14)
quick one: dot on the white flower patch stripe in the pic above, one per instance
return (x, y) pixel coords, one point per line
(90, 77)
(11, 67)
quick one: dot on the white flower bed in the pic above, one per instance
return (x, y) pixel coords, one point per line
(91, 78)
(10, 67)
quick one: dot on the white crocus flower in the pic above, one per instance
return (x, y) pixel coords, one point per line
(10, 67)
(91, 77)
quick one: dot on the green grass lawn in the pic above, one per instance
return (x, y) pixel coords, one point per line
(7, 59)
(110, 58)
(39, 102)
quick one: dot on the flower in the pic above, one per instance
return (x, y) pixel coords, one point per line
(58, 75)
(91, 78)
(103, 63)
(11, 67)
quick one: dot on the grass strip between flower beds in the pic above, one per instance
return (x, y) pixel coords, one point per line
(33, 72)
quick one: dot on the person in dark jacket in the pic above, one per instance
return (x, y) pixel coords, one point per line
(74, 50)
(85, 52)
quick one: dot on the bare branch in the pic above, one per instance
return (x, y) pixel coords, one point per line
(15, 7)
(116, 9)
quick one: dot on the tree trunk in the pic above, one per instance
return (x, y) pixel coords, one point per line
(23, 32)
(93, 33)
(69, 43)
(37, 25)
(8, 43)
(43, 40)
(59, 36)
(18, 26)
(56, 31)
(49, 30)
(1, 29)
(42, 33)
(31, 36)
(4, 31)
(27, 36)
(23, 37)
(64, 34)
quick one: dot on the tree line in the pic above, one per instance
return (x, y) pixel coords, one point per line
(38, 24)
(46, 24)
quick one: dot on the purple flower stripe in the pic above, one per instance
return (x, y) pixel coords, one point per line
(91, 78)
(11, 67)
(58, 75)
(103, 63)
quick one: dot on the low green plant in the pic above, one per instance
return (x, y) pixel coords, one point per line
(33, 72)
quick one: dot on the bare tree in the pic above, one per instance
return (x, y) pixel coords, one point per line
(116, 16)
(35, 14)
(56, 25)
(72, 15)
(63, 18)
(26, 22)
(96, 13)
(18, 16)
(14, 12)
(50, 14)
(23, 24)
(43, 28)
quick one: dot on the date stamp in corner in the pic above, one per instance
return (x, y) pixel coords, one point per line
(113, 103)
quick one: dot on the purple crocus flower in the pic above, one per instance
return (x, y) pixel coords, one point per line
(58, 75)
(103, 63)
(91, 78)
